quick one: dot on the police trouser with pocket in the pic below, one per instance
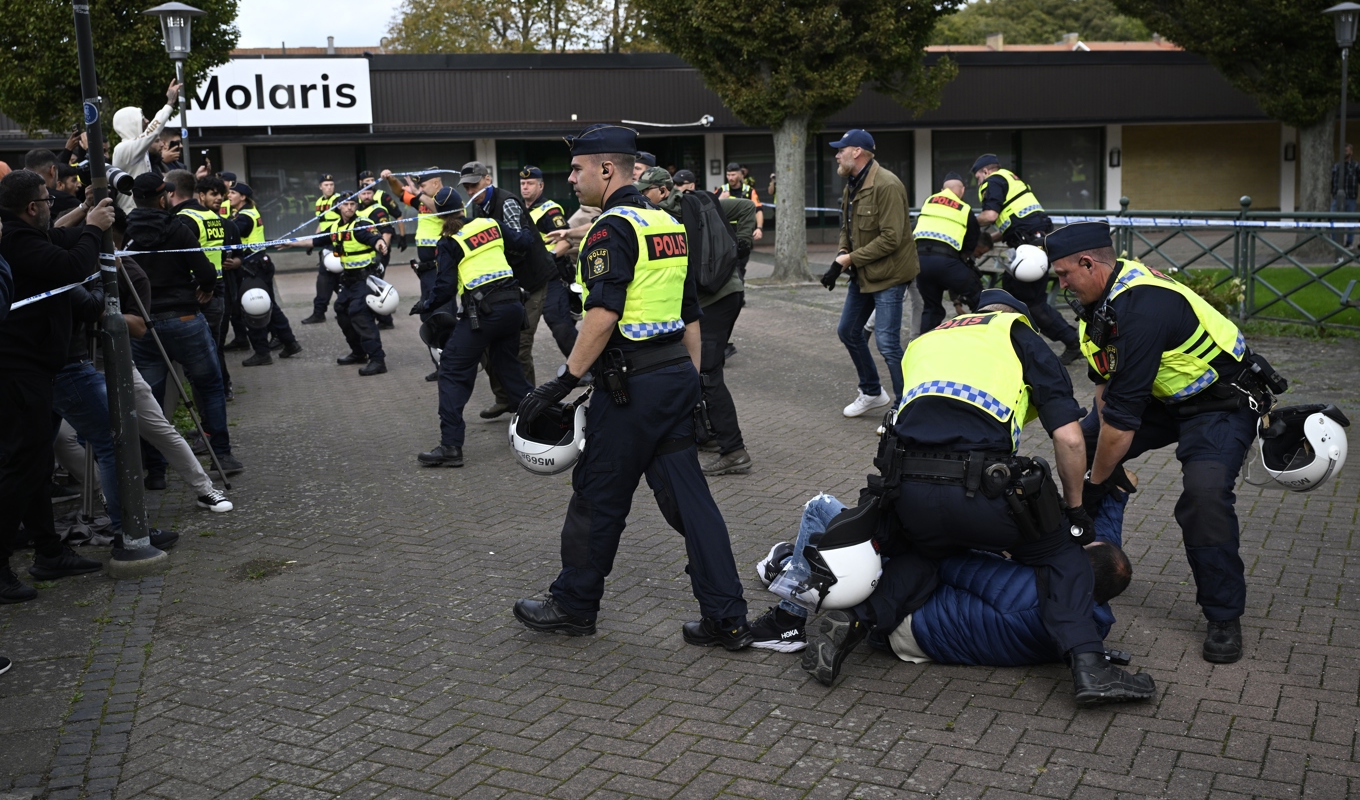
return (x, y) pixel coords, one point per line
(278, 322)
(652, 435)
(497, 339)
(327, 284)
(533, 311)
(356, 319)
(1211, 448)
(940, 272)
(940, 520)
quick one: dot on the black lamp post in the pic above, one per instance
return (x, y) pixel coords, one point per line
(1345, 16)
(176, 22)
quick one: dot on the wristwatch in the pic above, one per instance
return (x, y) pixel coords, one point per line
(563, 372)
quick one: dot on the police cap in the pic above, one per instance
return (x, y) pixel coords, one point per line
(366, 175)
(325, 176)
(243, 189)
(447, 199)
(1077, 238)
(1001, 297)
(227, 176)
(148, 185)
(986, 160)
(603, 138)
(683, 176)
(646, 158)
(530, 173)
(473, 172)
(953, 176)
(653, 177)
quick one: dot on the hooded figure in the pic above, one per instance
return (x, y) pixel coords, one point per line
(135, 135)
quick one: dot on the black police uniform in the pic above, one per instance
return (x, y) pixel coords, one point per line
(357, 321)
(377, 212)
(1211, 446)
(944, 269)
(653, 435)
(257, 269)
(940, 520)
(1026, 230)
(557, 300)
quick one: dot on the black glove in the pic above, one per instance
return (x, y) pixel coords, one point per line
(1083, 528)
(418, 308)
(546, 395)
(309, 250)
(1092, 495)
(401, 242)
(829, 279)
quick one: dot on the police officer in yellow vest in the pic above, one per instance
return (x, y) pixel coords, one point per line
(1020, 219)
(389, 204)
(359, 246)
(640, 337)
(472, 265)
(1168, 368)
(951, 456)
(377, 214)
(257, 271)
(547, 217)
(946, 234)
(327, 282)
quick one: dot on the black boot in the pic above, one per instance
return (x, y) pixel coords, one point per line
(375, 366)
(352, 358)
(1097, 681)
(291, 349)
(732, 634)
(258, 360)
(314, 319)
(837, 633)
(445, 455)
(549, 617)
(1223, 642)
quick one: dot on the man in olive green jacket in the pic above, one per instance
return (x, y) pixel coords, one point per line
(876, 248)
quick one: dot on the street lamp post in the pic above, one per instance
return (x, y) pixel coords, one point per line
(176, 21)
(1345, 16)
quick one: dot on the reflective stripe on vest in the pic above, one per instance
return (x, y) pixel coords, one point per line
(537, 213)
(257, 231)
(353, 253)
(210, 234)
(944, 218)
(651, 306)
(429, 228)
(1185, 370)
(483, 254)
(1019, 202)
(971, 359)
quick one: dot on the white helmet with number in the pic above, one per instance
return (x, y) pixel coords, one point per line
(384, 299)
(332, 262)
(553, 442)
(844, 567)
(255, 307)
(1303, 447)
(1029, 263)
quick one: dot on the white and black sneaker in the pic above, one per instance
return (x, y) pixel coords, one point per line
(215, 500)
(780, 631)
(769, 566)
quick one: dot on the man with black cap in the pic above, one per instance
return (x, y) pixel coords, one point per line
(258, 272)
(736, 186)
(528, 258)
(359, 246)
(327, 282)
(640, 336)
(946, 234)
(950, 458)
(1168, 368)
(1008, 202)
(642, 163)
(549, 217)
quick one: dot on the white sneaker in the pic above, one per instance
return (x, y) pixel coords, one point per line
(215, 500)
(865, 403)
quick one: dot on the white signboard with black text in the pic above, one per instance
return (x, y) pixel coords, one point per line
(259, 92)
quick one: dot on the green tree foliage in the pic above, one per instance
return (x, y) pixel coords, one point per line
(39, 81)
(1038, 22)
(788, 64)
(515, 26)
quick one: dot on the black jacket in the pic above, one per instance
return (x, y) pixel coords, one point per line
(174, 276)
(529, 259)
(35, 338)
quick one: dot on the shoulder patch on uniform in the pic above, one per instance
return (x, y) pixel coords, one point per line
(598, 235)
(597, 263)
(1112, 356)
(559, 221)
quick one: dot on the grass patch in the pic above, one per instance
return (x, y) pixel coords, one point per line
(1315, 299)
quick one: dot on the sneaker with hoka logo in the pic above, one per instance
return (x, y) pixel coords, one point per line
(780, 631)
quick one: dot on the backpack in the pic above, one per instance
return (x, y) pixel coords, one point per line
(712, 242)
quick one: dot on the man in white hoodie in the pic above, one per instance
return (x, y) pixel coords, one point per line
(136, 134)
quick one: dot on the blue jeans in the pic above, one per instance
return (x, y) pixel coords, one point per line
(190, 343)
(80, 397)
(1349, 207)
(887, 309)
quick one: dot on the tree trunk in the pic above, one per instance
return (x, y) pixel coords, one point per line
(1317, 151)
(790, 230)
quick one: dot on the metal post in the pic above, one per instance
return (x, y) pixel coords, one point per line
(1341, 145)
(137, 556)
(183, 115)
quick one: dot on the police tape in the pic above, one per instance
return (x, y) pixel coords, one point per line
(51, 293)
(1117, 221)
(416, 174)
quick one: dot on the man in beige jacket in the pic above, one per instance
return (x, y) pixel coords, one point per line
(877, 251)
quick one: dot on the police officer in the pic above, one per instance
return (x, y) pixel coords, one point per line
(429, 229)
(642, 163)
(736, 186)
(389, 204)
(376, 213)
(228, 180)
(1011, 204)
(359, 246)
(1168, 368)
(258, 269)
(547, 217)
(970, 385)
(946, 234)
(327, 282)
(641, 337)
(472, 264)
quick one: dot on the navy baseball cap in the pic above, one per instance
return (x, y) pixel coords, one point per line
(447, 199)
(1077, 238)
(646, 158)
(986, 160)
(1001, 297)
(684, 176)
(603, 138)
(528, 172)
(855, 137)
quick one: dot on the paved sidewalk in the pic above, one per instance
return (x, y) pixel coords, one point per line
(346, 632)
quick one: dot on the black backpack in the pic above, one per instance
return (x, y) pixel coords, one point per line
(712, 242)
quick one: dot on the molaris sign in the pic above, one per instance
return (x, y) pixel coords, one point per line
(283, 91)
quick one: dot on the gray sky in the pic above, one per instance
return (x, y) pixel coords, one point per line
(307, 23)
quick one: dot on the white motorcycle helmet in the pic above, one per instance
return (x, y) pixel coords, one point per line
(435, 331)
(255, 307)
(1302, 448)
(844, 566)
(331, 262)
(384, 299)
(1029, 263)
(554, 441)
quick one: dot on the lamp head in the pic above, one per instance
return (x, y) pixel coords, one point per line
(1345, 16)
(176, 19)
